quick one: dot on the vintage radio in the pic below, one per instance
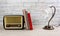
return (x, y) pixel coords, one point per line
(13, 22)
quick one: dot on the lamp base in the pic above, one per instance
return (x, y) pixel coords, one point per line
(48, 27)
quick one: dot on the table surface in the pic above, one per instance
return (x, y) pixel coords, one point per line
(37, 31)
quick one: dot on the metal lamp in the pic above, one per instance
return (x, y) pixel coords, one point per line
(49, 27)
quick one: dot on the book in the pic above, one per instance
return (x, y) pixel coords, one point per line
(30, 22)
(26, 19)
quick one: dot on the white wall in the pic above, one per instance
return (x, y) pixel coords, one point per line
(8, 7)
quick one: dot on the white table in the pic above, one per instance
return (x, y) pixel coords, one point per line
(38, 31)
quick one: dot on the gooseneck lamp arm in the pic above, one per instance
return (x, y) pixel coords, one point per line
(49, 27)
(52, 14)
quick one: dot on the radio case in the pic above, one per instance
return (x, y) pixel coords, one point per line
(13, 22)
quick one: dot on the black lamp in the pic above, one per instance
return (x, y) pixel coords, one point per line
(49, 27)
